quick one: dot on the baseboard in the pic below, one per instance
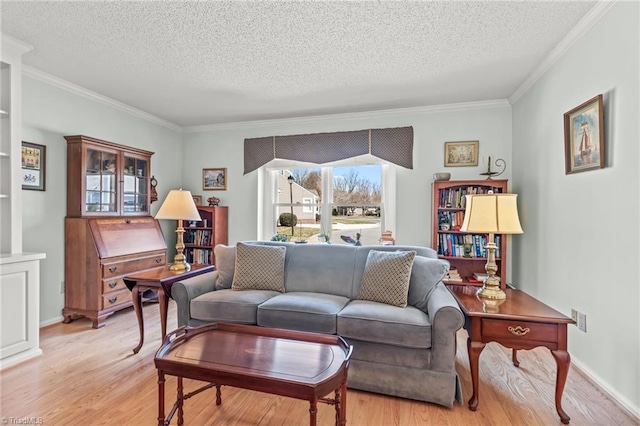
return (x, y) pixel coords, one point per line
(51, 321)
(18, 358)
(597, 381)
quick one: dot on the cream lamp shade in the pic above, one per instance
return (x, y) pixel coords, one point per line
(179, 205)
(491, 214)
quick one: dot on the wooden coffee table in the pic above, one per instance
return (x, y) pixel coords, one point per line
(519, 322)
(295, 364)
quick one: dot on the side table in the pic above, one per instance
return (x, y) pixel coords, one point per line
(160, 281)
(519, 322)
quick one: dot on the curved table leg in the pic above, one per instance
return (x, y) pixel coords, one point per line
(164, 307)
(514, 357)
(563, 359)
(136, 297)
(474, 349)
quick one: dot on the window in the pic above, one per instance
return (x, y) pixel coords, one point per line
(340, 204)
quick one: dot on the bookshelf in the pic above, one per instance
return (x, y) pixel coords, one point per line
(200, 237)
(464, 251)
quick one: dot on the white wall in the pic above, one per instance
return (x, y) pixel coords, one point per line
(222, 146)
(580, 243)
(49, 113)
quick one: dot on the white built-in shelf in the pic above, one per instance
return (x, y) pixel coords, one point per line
(4, 155)
(3, 113)
(4, 196)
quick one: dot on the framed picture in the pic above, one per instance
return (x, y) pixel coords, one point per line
(34, 161)
(197, 199)
(461, 154)
(214, 179)
(584, 137)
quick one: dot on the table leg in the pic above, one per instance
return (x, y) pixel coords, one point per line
(160, 398)
(563, 359)
(163, 301)
(136, 297)
(474, 349)
(180, 401)
(343, 404)
(514, 357)
(313, 410)
(218, 395)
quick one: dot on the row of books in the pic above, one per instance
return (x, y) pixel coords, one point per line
(465, 245)
(453, 276)
(201, 256)
(198, 237)
(198, 223)
(453, 218)
(454, 197)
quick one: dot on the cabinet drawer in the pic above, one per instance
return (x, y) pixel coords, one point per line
(113, 284)
(509, 329)
(134, 265)
(116, 298)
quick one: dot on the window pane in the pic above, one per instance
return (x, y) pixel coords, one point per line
(355, 208)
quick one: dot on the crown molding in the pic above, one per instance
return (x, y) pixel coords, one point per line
(94, 96)
(585, 24)
(434, 109)
(14, 45)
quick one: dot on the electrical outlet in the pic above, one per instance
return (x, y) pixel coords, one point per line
(61, 287)
(574, 315)
(582, 322)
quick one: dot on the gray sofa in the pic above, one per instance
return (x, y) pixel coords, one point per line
(402, 351)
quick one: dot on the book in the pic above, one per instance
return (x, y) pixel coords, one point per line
(480, 276)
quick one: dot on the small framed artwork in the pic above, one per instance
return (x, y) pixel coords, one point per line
(461, 154)
(34, 161)
(584, 137)
(214, 179)
(197, 199)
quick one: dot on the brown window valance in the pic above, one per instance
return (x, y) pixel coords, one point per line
(394, 145)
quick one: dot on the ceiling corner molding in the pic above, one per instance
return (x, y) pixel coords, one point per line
(585, 24)
(433, 109)
(97, 97)
(14, 44)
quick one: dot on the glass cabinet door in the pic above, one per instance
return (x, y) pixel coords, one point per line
(136, 182)
(101, 181)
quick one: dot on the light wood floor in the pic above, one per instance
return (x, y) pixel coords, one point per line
(91, 377)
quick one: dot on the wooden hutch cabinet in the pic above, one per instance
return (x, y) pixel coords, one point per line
(464, 251)
(108, 230)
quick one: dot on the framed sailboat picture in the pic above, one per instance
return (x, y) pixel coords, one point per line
(584, 137)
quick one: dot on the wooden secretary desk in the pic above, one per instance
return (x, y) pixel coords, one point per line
(109, 232)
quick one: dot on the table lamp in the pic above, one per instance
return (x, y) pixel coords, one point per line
(491, 214)
(179, 206)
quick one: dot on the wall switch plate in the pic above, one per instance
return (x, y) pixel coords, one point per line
(574, 315)
(61, 287)
(582, 322)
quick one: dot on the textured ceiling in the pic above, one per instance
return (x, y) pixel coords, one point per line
(200, 63)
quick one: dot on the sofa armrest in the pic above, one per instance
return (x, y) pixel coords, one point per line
(183, 291)
(446, 319)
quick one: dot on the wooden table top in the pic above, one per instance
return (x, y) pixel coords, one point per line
(517, 305)
(257, 352)
(163, 274)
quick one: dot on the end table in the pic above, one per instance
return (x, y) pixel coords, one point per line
(519, 322)
(159, 280)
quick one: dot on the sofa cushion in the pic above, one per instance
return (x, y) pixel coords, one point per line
(386, 277)
(225, 265)
(315, 312)
(229, 306)
(382, 323)
(259, 268)
(425, 274)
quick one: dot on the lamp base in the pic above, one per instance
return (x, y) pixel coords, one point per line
(180, 267)
(493, 293)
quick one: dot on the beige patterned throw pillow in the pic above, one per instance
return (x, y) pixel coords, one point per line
(259, 268)
(386, 277)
